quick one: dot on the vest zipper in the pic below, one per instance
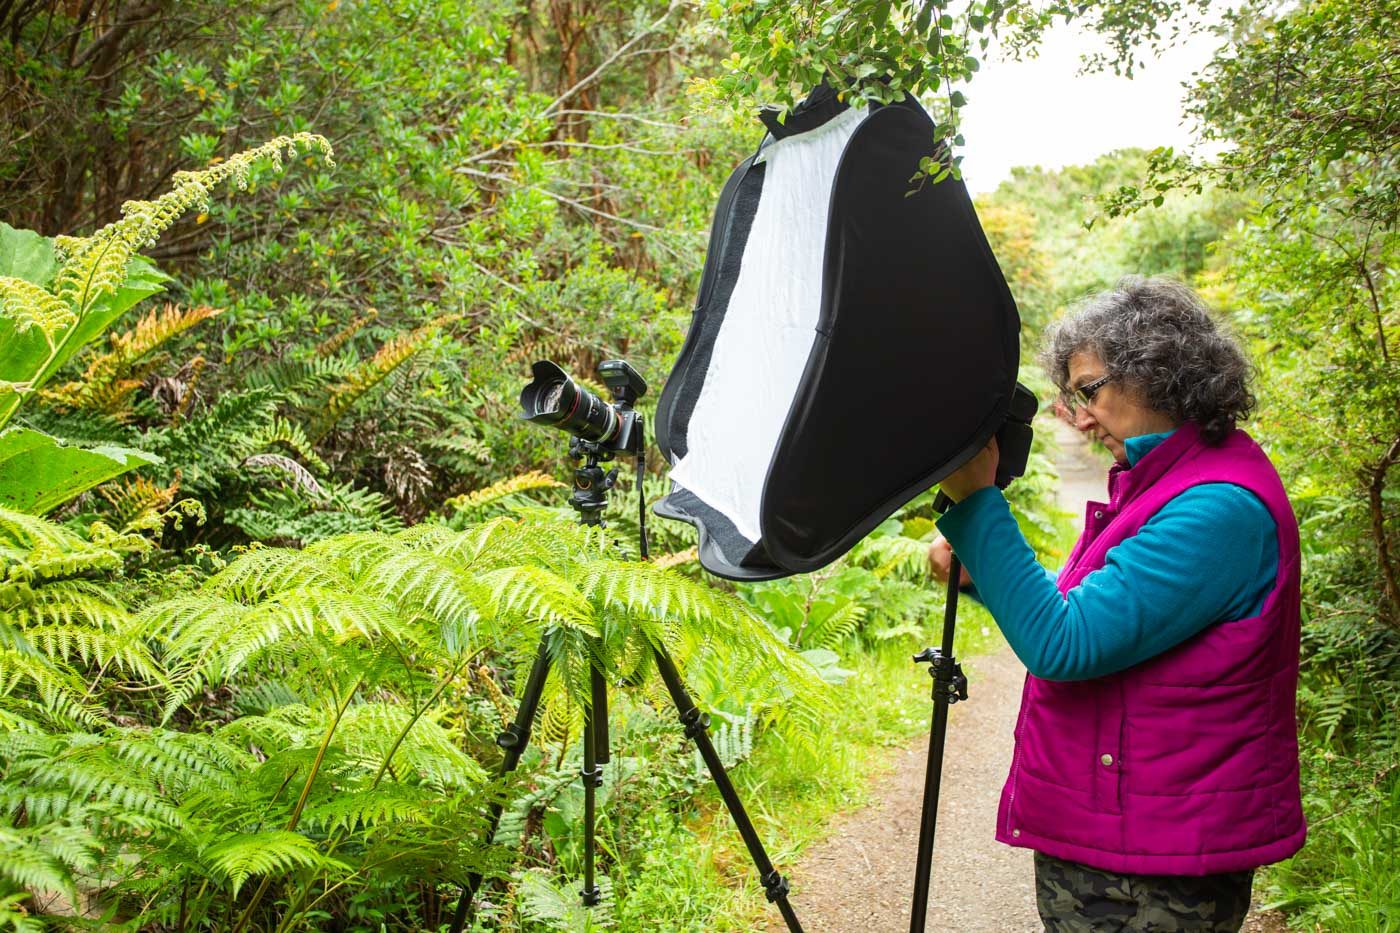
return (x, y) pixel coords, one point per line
(1015, 771)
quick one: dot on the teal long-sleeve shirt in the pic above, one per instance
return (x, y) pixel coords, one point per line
(1209, 554)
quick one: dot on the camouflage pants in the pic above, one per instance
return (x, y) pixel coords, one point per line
(1075, 898)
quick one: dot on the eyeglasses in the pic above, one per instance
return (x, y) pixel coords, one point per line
(1084, 395)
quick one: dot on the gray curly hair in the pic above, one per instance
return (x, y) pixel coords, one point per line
(1157, 339)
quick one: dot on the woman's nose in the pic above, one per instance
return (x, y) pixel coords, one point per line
(1082, 419)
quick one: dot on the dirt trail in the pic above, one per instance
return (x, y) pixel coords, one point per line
(862, 877)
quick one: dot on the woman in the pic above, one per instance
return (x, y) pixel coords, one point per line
(1156, 760)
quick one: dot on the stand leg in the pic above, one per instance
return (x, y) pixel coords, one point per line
(949, 686)
(696, 723)
(595, 721)
(599, 690)
(512, 741)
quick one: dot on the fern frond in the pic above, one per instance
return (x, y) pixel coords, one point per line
(94, 647)
(82, 764)
(62, 695)
(210, 639)
(95, 265)
(538, 596)
(301, 476)
(833, 625)
(363, 378)
(561, 715)
(474, 501)
(543, 901)
(291, 436)
(30, 305)
(139, 498)
(30, 857)
(368, 731)
(237, 858)
(359, 810)
(893, 555)
(548, 786)
(112, 377)
(181, 761)
(332, 344)
(209, 448)
(21, 532)
(265, 570)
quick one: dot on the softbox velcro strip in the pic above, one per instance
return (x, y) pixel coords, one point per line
(853, 342)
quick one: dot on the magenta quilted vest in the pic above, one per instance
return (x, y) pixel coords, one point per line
(1186, 764)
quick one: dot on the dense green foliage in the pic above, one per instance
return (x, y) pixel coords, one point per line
(274, 553)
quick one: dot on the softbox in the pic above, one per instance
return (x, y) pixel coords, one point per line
(853, 342)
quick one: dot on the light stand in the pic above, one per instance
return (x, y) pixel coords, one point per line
(949, 684)
(589, 498)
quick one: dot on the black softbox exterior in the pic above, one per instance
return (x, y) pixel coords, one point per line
(853, 342)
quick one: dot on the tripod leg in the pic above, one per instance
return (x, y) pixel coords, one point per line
(949, 686)
(696, 723)
(594, 722)
(512, 741)
(599, 690)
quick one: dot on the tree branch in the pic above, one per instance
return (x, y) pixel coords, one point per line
(1389, 580)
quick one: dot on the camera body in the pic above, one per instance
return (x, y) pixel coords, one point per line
(555, 399)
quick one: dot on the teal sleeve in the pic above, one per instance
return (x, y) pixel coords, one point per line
(1209, 554)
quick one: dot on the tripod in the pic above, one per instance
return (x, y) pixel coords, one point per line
(949, 683)
(589, 498)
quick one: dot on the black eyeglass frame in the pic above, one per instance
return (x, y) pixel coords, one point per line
(1085, 394)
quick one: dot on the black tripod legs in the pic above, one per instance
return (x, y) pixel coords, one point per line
(696, 723)
(512, 741)
(595, 754)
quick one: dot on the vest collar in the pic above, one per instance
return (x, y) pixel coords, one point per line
(1140, 446)
(1123, 483)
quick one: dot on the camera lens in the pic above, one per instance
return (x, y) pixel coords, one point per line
(555, 399)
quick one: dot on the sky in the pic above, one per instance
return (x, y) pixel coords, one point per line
(1043, 112)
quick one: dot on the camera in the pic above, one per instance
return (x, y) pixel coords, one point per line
(553, 398)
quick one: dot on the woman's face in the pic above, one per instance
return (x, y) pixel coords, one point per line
(1115, 414)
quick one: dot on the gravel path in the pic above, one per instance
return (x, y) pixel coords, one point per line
(862, 877)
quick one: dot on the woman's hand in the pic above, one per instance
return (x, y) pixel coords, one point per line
(977, 473)
(940, 561)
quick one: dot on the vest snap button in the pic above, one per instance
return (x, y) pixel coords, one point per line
(1016, 833)
(1107, 761)
(1098, 514)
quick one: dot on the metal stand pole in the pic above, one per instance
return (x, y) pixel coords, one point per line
(949, 686)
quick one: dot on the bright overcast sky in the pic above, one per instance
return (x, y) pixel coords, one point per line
(1043, 112)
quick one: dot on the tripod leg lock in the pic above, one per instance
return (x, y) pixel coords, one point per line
(594, 777)
(695, 722)
(948, 680)
(776, 886)
(591, 896)
(513, 737)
